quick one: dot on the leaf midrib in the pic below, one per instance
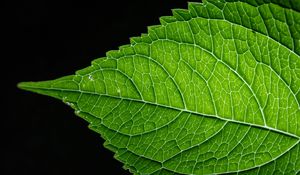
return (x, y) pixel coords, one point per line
(165, 106)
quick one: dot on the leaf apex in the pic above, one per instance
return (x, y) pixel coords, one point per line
(38, 87)
(51, 88)
(29, 86)
(24, 85)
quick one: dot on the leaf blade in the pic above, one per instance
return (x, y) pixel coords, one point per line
(203, 93)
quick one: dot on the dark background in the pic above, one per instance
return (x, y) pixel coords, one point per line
(46, 40)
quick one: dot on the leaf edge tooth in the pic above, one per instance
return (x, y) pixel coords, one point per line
(113, 54)
(134, 40)
(164, 20)
(181, 14)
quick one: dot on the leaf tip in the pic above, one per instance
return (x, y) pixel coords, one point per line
(26, 85)
(41, 87)
(58, 88)
(36, 87)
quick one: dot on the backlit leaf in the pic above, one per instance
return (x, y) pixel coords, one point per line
(214, 89)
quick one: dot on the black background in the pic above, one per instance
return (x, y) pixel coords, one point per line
(46, 40)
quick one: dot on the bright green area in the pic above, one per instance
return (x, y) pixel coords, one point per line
(214, 89)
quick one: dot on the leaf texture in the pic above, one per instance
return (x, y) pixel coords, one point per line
(214, 89)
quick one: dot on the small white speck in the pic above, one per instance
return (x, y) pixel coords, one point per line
(91, 78)
(77, 112)
(70, 104)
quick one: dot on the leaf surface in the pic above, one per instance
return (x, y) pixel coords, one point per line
(214, 89)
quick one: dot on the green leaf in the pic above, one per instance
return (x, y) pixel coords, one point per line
(214, 89)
